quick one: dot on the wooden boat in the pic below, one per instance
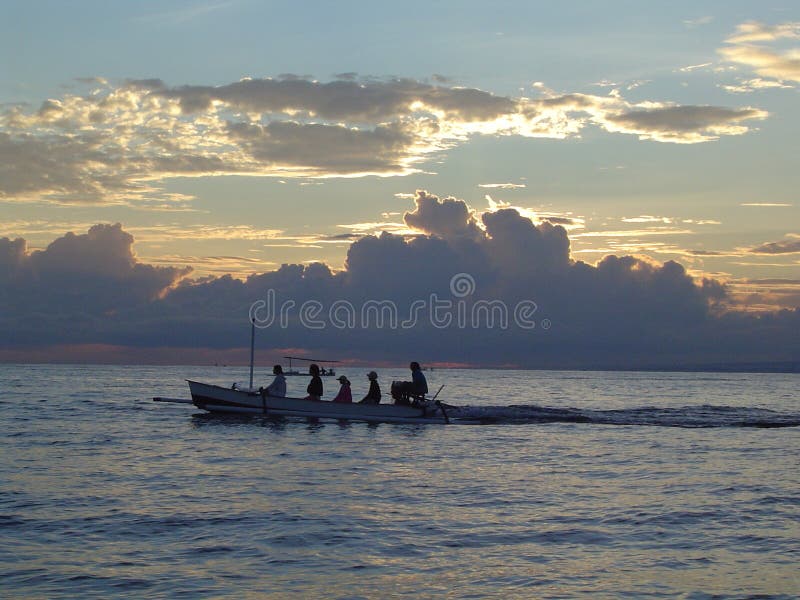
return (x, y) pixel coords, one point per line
(329, 372)
(218, 399)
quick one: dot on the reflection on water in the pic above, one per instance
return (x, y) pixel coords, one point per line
(106, 494)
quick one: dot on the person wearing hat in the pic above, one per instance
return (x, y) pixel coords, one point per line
(344, 394)
(374, 394)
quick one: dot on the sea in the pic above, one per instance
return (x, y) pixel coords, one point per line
(548, 484)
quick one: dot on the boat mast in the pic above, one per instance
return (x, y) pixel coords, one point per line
(252, 348)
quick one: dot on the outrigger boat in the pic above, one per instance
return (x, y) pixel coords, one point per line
(251, 401)
(329, 372)
(219, 399)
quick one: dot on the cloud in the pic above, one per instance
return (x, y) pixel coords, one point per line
(627, 233)
(704, 20)
(790, 246)
(747, 86)
(753, 31)
(765, 62)
(706, 253)
(345, 100)
(566, 221)
(118, 143)
(684, 124)
(763, 295)
(321, 149)
(690, 68)
(76, 280)
(40, 227)
(538, 216)
(624, 311)
(376, 227)
(159, 232)
(648, 219)
(502, 186)
(239, 266)
(521, 246)
(447, 218)
(750, 46)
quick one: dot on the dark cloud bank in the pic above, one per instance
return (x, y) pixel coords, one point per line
(624, 312)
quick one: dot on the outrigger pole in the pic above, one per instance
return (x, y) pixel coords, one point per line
(252, 348)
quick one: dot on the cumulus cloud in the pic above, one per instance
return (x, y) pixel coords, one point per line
(754, 45)
(118, 143)
(623, 311)
(568, 220)
(523, 247)
(76, 279)
(447, 218)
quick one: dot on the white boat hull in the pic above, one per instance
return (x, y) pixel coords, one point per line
(214, 398)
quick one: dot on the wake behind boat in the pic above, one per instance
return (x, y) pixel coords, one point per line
(219, 399)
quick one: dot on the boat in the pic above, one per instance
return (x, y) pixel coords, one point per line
(219, 399)
(329, 372)
(235, 399)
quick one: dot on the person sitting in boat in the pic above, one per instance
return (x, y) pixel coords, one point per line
(314, 388)
(418, 381)
(344, 394)
(374, 394)
(403, 391)
(278, 386)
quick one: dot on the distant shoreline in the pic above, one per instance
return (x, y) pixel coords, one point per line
(788, 367)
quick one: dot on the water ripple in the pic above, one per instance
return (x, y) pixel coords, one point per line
(693, 492)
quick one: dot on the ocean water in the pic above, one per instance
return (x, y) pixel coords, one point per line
(562, 485)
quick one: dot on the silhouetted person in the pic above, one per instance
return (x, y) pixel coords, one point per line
(314, 388)
(420, 384)
(403, 391)
(278, 386)
(374, 394)
(344, 395)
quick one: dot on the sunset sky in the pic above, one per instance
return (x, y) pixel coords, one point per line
(235, 136)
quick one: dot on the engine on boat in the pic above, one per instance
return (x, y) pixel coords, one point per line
(402, 393)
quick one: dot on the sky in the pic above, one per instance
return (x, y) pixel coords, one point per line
(161, 161)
